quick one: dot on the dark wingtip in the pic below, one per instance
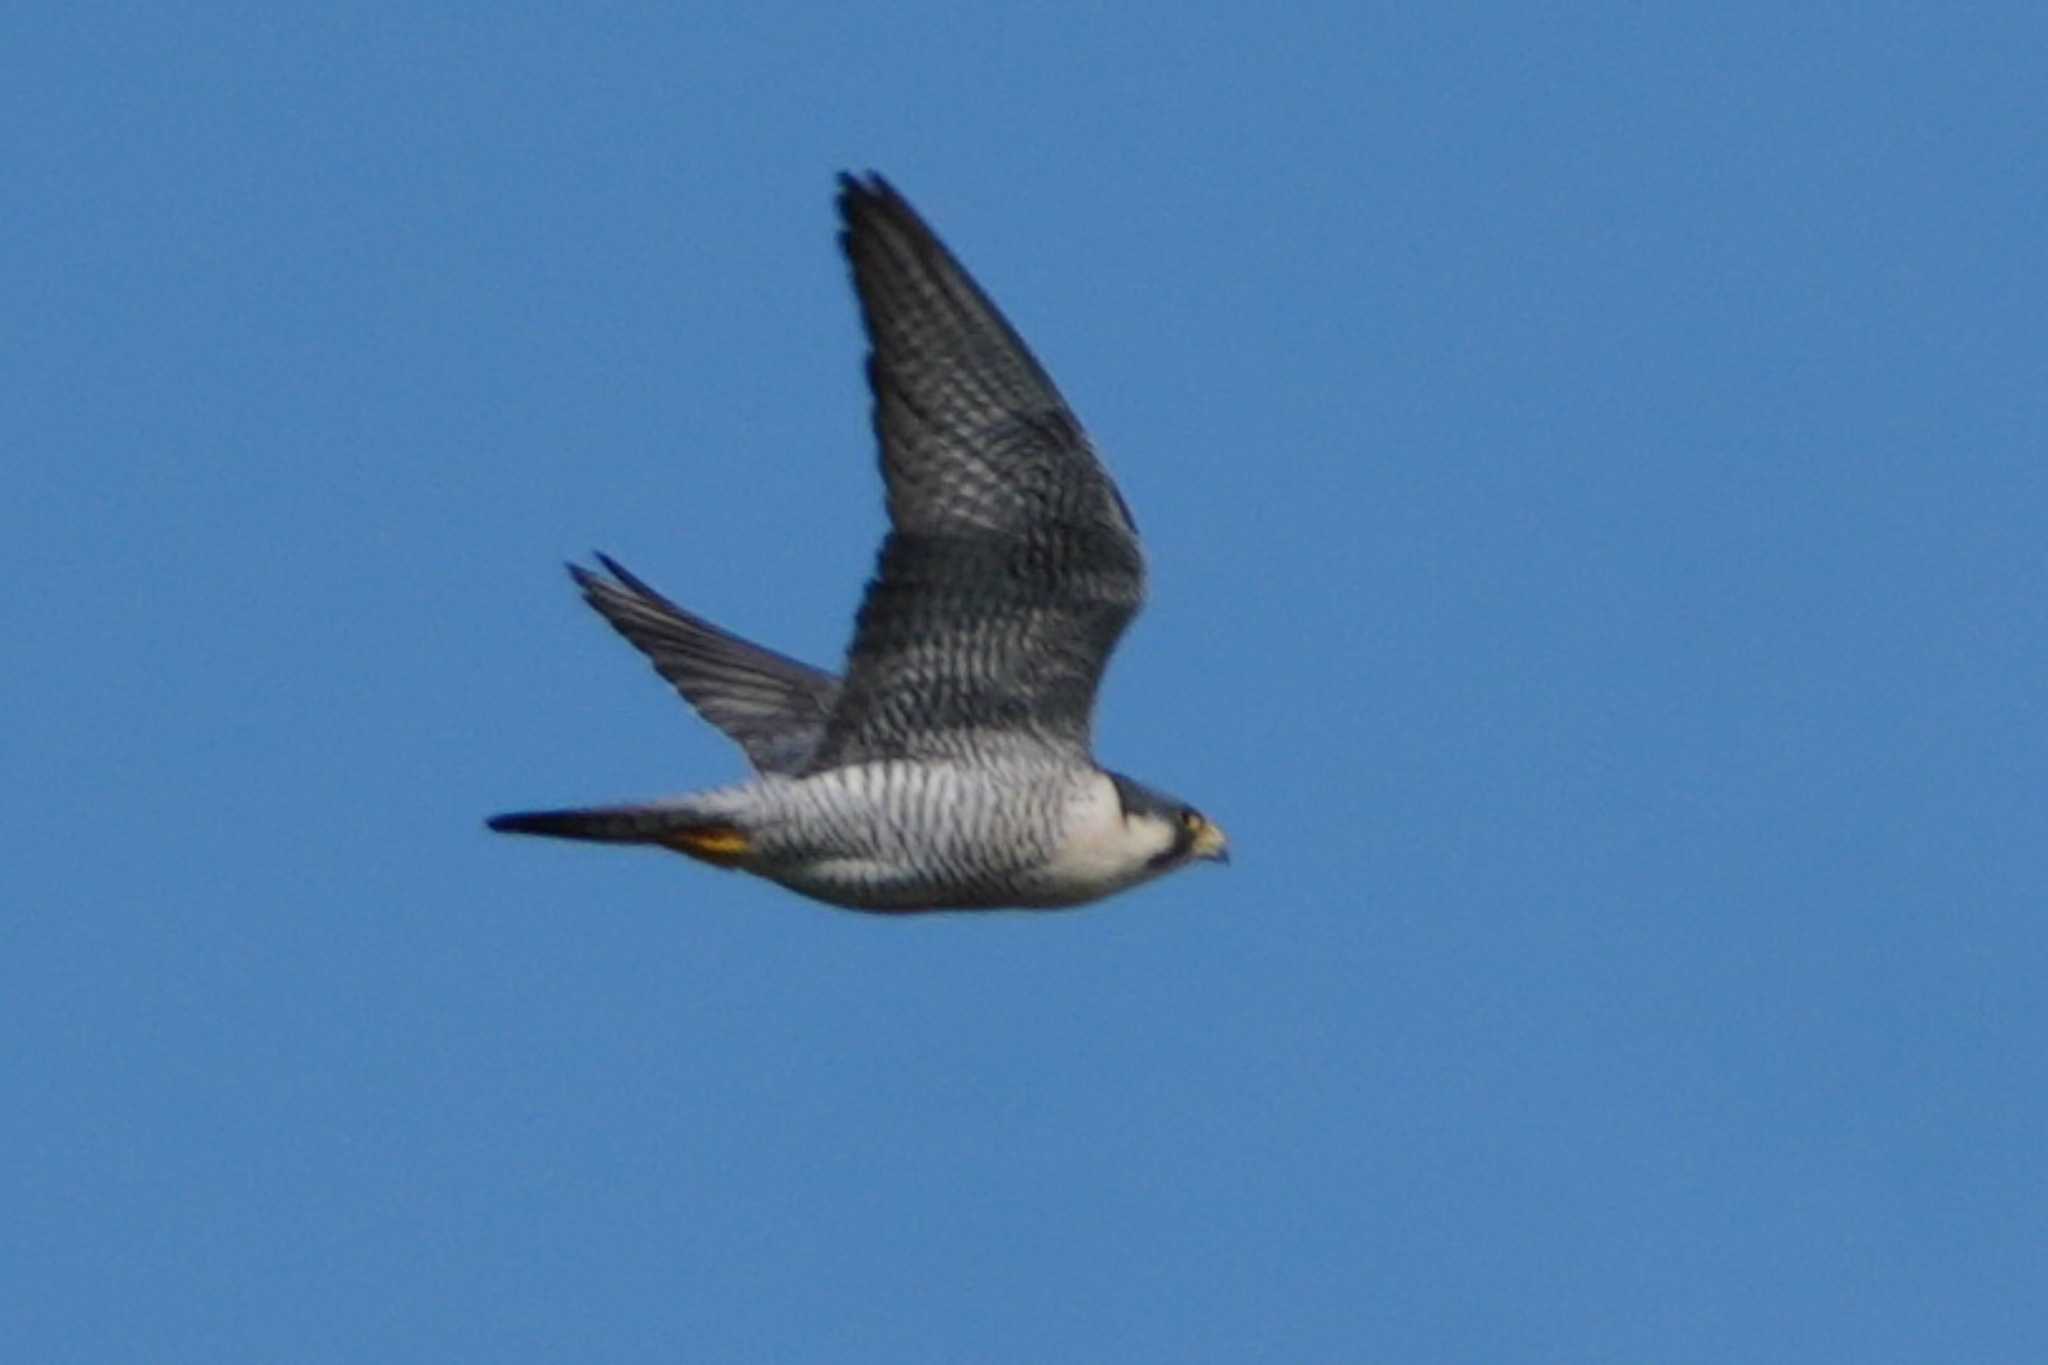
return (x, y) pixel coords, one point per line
(869, 193)
(867, 184)
(579, 572)
(623, 579)
(629, 578)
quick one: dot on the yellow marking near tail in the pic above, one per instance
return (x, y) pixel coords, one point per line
(719, 845)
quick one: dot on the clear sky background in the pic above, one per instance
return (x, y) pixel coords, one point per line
(1595, 466)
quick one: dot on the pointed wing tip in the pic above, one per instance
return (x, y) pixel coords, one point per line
(621, 578)
(867, 197)
(857, 186)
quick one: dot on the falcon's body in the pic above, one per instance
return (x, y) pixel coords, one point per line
(906, 835)
(951, 767)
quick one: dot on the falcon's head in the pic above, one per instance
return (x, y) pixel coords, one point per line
(1172, 831)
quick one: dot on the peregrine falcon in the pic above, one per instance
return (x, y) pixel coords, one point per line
(951, 766)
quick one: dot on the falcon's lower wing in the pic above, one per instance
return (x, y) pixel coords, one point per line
(769, 704)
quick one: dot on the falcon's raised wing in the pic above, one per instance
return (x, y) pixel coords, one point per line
(1013, 565)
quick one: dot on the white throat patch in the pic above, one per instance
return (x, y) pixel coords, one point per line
(1104, 850)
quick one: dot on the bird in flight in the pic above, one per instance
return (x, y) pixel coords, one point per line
(951, 767)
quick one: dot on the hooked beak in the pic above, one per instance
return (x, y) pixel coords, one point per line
(1210, 843)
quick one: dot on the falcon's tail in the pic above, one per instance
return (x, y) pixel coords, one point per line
(684, 828)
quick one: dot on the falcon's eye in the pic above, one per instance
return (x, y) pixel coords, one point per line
(1190, 818)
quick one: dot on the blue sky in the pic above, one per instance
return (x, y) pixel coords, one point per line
(1592, 464)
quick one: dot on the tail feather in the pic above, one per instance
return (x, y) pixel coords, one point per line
(609, 825)
(682, 828)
